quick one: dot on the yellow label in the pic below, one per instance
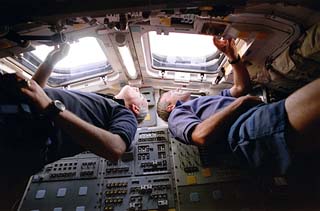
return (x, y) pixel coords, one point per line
(191, 180)
(165, 21)
(148, 117)
(79, 25)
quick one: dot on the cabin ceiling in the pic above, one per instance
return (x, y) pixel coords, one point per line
(52, 22)
(13, 12)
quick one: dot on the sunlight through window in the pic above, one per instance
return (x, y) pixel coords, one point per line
(83, 52)
(182, 51)
(184, 45)
(86, 59)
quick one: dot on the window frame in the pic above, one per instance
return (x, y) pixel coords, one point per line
(181, 68)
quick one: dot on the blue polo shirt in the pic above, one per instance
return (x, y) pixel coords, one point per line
(257, 137)
(187, 115)
(97, 110)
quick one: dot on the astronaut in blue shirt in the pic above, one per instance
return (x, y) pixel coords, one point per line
(87, 121)
(263, 135)
(72, 122)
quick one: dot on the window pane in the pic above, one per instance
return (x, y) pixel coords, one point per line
(189, 52)
(85, 51)
(85, 60)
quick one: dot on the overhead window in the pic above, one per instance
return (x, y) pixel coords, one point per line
(85, 60)
(185, 52)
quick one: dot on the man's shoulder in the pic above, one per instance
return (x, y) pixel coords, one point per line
(201, 99)
(85, 97)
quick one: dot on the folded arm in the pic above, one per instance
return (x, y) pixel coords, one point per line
(99, 141)
(217, 126)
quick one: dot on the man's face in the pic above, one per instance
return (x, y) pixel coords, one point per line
(173, 96)
(131, 95)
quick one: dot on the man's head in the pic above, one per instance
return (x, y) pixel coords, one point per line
(135, 101)
(167, 102)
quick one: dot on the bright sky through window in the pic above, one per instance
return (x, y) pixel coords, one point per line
(86, 51)
(180, 44)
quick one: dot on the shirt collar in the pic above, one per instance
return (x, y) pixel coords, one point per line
(179, 102)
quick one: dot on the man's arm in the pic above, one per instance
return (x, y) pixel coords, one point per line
(241, 76)
(45, 69)
(101, 142)
(104, 143)
(217, 126)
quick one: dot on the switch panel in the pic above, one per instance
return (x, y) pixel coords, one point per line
(139, 193)
(69, 169)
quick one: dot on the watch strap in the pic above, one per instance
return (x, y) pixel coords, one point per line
(53, 110)
(235, 61)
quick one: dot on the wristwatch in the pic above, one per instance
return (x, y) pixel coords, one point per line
(54, 108)
(235, 61)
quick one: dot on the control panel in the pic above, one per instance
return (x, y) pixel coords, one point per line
(70, 169)
(141, 180)
(139, 193)
(77, 195)
(159, 173)
(152, 158)
(189, 168)
(124, 167)
(153, 155)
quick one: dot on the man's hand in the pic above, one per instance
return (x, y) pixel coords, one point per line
(36, 95)
(228, 47)
(241, 78)
(57, 54)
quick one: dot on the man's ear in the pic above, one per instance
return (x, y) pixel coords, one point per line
(170, 107)
(135, 109)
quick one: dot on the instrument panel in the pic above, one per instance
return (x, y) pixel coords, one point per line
(159, 173)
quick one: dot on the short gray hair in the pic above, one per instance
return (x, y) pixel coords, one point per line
(162, 109)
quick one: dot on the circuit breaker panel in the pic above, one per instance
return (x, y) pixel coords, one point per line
(160, 173)
(141, 180)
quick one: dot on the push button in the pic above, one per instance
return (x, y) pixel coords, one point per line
(40, 194)
(61, 192)
(81, 208)
(194, 197)
(83, 191)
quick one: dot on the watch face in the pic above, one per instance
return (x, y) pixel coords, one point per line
(59, 105)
